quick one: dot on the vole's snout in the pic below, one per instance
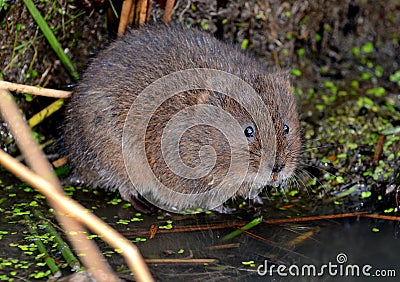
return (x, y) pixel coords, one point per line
(276, 170)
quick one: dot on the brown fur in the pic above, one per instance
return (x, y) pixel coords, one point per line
(96, 114)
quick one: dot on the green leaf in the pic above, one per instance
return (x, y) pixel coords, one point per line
(28, 97)
(296, 72)
(355, 84)
(389, 210)
(368, 48)
(377, 91)
(365, 194)
(365, 76)
(395, 77)
(245, 44)
(204, 25)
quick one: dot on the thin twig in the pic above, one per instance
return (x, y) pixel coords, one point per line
(186, 261)
(379, 148)
(313, 218)
(34, 90)
(301, 238)
(386, 217)
(223, 247)
(181, 229)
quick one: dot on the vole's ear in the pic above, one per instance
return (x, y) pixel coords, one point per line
(273, 84)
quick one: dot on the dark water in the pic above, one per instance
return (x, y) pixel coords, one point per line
(340, 245)
(359, 241)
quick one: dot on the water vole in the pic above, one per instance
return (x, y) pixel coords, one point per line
(228, 145)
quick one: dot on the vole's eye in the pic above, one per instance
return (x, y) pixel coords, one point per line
(285, 129)
(249, 131)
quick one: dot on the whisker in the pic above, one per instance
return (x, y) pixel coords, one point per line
(318, 147)
(311, 176)
(324, 170)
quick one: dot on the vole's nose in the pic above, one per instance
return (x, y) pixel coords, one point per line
(275, 170)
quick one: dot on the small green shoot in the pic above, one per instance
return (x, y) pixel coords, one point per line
(245, 44)
(51, 38)
(248, 226)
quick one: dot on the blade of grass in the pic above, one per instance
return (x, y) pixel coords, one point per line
(51, 38)
(42, 249)
(248, 226)
(113, 9)
(62, 246)
(50, 109)
(23, 44)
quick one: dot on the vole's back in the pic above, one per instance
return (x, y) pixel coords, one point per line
(97, 111)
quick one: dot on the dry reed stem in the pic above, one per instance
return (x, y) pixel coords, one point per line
(143, 6)
(148, 12)
(169, 7)
(34, 90)
(124, 18)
